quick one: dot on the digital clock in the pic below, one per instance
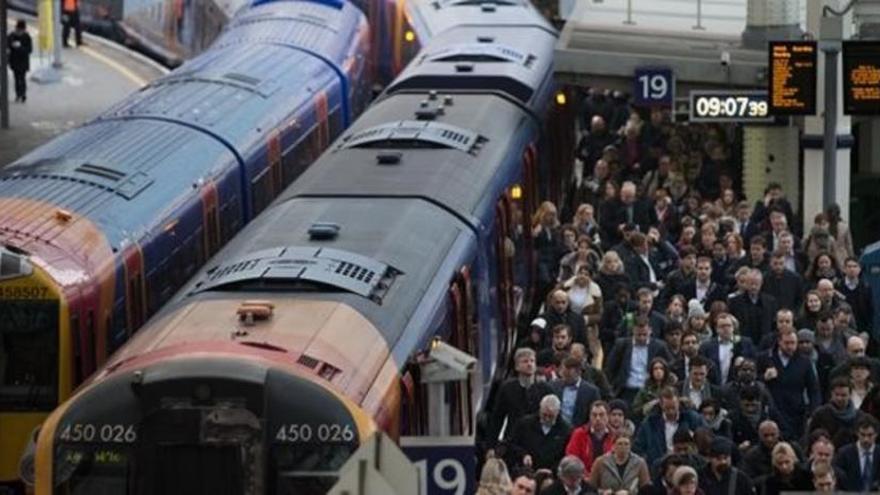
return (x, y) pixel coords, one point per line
(730, 106)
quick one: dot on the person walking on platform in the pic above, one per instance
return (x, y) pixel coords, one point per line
(70, 19)
(20, 47)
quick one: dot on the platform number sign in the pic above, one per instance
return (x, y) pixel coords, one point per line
(654, 87)
(446, 466)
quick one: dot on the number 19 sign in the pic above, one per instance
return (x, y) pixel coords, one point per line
(654, 87)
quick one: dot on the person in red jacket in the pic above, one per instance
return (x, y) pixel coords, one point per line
(593, 439)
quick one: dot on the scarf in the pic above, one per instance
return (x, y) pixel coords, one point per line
(847, 415)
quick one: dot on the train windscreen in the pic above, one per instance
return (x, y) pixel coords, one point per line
(314, 469)
(28, 354)
(91, 470)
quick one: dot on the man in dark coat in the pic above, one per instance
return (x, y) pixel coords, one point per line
(783, 284)
(575, 393)
(858, 295)
(560, 313)
(20, 47)
(838, 417)
(538, 440)
(627, 364)
(517, 396)
(702, 288)
(719, 476)
(754, 310)
(860, 461)
(791, 381)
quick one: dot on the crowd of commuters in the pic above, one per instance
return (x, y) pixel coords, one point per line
(691, 341)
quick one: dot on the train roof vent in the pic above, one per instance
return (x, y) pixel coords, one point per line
(242, 78)
(478, 52)
(303, 268)
(100, 171)
(406, 134)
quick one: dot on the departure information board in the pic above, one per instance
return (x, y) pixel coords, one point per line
(861, 77)
(792, 68)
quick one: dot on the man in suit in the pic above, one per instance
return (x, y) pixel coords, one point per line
(779, 226)
(654, 438)
(783, 284)
(642, 270)
(860, 460)
(702, 288)
(858, 295)
(690, 348)
(538, 440)
(723, 350)
(753, 309)
(627, 364)
(697, 387)
(517, 396)
(791, 381)
(576, 394)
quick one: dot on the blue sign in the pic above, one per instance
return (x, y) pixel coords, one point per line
(654, 87)
(446, 465)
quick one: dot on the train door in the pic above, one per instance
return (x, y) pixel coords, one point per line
(527, 205)
(505, 252)
(135, 293)
(210, 220)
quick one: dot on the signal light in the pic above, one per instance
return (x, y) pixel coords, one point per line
(516, 191)
(561, 99)
(409, 35)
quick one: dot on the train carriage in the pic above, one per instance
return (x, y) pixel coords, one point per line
(101, 226)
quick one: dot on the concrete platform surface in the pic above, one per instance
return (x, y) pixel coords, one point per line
(94, 77)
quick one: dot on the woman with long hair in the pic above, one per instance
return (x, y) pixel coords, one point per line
(860, 380)
(584, 254)
(611, 273)
(676, 309)
(809, 313)
(494, 478)
(822, 266)
(548, 245)
(840, 230)
(659, 377)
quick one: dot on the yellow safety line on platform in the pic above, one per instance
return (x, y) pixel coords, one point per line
(125, 71)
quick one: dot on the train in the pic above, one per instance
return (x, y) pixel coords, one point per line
(101, 226)
(313, 328)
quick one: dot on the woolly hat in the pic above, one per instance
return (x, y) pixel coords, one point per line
(695, 308)
(681, 473)
(806, 335)
(540, 323)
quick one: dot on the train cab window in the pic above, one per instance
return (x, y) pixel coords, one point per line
(92, 470)
(28, 355)
(314, 470)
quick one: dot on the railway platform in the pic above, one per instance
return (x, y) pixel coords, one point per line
(93, 77)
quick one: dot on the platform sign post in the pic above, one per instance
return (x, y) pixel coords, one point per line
(654, 87)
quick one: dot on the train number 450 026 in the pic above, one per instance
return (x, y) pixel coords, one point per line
(89, 433)
(324, 432)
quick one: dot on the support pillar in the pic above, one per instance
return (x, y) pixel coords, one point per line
(771, 20)
(813, 141)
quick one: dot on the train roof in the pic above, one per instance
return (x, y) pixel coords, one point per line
(406, 238)
(307, 25)
(474, 59)
(430, 18)
(450, 160)
(95, 172)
